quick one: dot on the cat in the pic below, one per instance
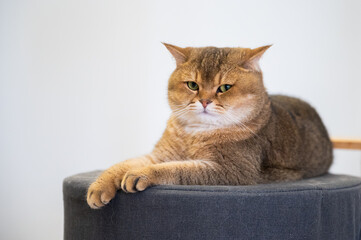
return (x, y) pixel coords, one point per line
(224, 130)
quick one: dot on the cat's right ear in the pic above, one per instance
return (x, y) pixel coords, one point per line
(252, 63)
(180, 54)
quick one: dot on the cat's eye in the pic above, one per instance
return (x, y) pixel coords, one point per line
(224, 88)
(193, 86)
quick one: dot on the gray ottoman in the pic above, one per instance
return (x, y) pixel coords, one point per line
(326, 207)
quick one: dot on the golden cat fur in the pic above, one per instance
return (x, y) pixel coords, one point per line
(224, 130)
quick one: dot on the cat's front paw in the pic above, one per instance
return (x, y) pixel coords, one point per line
(137, 180)
(100, 193)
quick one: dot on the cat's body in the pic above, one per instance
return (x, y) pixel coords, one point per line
(224, 135)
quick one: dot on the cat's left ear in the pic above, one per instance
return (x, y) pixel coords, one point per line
(180, 54)
(252, 63)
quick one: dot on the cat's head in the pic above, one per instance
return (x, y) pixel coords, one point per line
(214, 88)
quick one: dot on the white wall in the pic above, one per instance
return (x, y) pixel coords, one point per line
(83, 83)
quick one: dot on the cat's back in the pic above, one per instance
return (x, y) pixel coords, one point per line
(297, 109)
(290, 109)
(292, 105)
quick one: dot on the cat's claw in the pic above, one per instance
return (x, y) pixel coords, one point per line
(100, 194)
(135, 181)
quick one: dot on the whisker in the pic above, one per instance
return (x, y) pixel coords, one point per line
(179, 112)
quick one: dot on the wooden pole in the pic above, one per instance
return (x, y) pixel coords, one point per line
(346, 143)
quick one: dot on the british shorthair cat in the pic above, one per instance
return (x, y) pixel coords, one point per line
(224, 130)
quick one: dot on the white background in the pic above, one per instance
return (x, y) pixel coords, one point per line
(83, 83)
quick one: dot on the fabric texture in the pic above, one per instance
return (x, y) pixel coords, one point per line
(326, 207)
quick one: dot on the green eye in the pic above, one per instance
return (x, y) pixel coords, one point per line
(224, 88)
(192, 86)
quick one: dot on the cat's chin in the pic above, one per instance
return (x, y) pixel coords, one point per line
(196, 128)
(208, 120)
(204, 122)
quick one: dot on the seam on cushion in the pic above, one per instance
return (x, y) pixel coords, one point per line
(274, 191)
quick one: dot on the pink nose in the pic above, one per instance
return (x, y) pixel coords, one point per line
(205, 102)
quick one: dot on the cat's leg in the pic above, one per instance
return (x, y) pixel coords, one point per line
(190, 172)
(104, 188)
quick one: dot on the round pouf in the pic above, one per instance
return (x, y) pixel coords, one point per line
(326, 207)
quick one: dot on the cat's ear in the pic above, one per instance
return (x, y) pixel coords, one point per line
(252, 63)
(180, 54)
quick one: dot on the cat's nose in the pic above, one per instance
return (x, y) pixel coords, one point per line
(205, 102)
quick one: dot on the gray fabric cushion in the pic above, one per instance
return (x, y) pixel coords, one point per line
(326, 207)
